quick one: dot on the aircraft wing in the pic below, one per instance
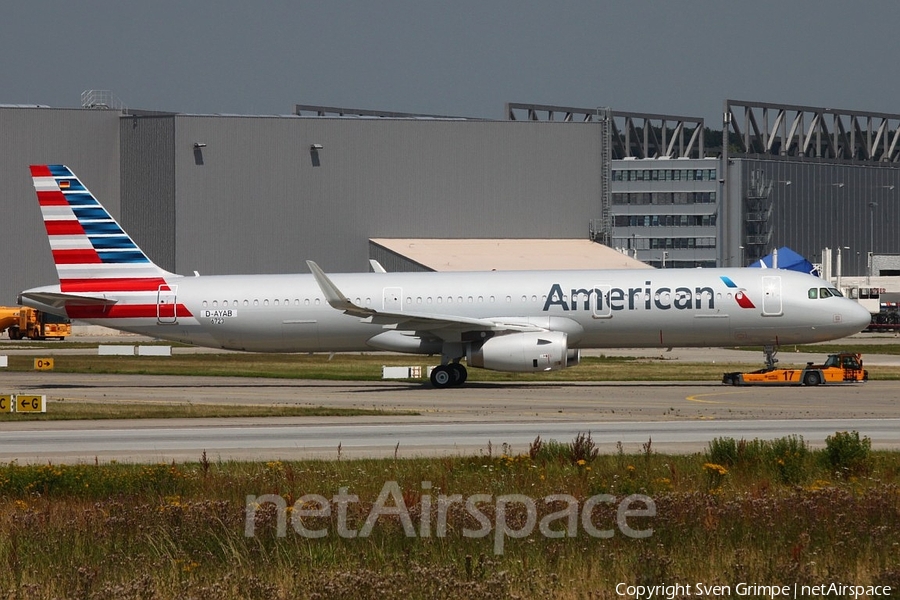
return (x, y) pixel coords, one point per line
(409, 320)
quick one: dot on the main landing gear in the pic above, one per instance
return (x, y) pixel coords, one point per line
(451, 374)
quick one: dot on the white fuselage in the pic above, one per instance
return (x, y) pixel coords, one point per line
(615, 308)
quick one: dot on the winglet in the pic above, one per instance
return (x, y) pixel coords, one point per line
(333, 295)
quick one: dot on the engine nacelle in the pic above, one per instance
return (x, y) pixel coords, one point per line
(524, 352)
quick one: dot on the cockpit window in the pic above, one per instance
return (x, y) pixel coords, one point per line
(824, 293)
(836, 292)
(813, 293)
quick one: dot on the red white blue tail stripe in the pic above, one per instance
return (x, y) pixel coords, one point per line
(91, 250)
(103, 275)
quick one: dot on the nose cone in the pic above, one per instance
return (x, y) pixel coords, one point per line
(855, 317)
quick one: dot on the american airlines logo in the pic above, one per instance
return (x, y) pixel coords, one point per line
(739, 295)
(648, 298)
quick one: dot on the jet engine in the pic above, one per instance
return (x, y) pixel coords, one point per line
(523, 352)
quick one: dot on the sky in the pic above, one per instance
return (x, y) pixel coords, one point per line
(461, 58)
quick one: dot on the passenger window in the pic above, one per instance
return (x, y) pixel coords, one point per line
(813, 293)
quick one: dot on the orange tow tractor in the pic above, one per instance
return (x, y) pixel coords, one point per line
(845, 367)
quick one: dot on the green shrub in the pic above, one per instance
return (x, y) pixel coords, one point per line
(847, 454)
(742, 455)
(550, 451)
(789, 455)
(722, 451)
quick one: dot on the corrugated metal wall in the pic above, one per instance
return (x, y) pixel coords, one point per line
(254, 197)
(148, 185)
(261, 201)
(828, 205)
(85, 140)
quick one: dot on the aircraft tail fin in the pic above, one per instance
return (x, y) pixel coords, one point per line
(91, 250)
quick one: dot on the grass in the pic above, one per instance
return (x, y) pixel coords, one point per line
(61, 410)
(360, 367)
(178, 530)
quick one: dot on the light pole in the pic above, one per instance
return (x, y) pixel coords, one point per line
(871, 254)
(840, 265)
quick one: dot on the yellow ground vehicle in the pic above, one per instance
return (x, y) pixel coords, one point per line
(23, 322)
(838, 368)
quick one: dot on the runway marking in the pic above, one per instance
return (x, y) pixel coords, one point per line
(696, 397)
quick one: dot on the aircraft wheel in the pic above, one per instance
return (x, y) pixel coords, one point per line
(812, 378)
(441, 376)
(460, 374)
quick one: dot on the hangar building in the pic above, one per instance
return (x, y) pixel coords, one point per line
(261, 194)
(238, 194)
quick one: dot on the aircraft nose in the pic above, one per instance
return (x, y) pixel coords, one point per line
(857, 316)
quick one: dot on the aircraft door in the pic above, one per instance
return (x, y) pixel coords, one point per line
(600, 301)
(771, 289)
(393, 299)
(166, 312)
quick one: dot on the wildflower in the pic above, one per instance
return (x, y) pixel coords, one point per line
(581, 462)
(713, 468)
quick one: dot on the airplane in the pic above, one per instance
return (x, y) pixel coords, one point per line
(523, 321)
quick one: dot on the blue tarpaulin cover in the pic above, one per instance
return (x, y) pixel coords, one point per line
(787, 259)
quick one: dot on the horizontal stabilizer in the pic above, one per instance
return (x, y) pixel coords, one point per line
(60, 300)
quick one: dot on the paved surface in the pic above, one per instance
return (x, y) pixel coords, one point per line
(679, 416)
(181, 441)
